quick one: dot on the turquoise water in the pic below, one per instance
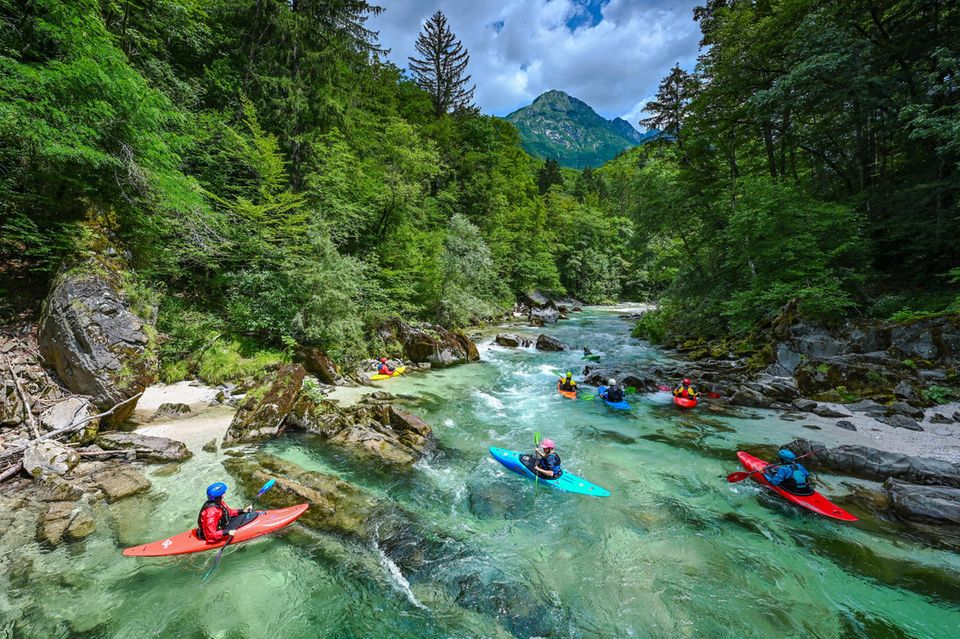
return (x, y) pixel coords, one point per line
(674, 552)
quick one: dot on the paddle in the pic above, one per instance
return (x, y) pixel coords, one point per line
(216, 562)
(536, 475)
(733, 478)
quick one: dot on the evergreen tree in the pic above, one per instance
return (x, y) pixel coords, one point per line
(548, 175)
(670, 109)
(440, 69)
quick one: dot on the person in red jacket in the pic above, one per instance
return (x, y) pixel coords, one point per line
(215, 515)
(385, 368)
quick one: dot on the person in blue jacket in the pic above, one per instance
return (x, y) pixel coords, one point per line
(790, 476)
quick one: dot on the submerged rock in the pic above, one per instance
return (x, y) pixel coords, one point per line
(120, 481)
(162, 449)
(265, 406)
(379, 431)
(94, 341)
(427, 343)
(65, 520)
(924, 504)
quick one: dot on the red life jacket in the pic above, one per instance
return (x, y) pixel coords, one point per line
(213, 518)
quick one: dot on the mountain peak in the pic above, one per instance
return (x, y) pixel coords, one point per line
(558, 125)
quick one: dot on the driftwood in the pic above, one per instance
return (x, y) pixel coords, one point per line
(68, 429)
(119, 451)
(10, 472)
(28, 411)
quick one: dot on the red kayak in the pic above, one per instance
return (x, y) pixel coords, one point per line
(815, 502)
(684, 402)
(266, 521)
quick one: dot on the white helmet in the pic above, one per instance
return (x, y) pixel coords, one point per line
(612, 382)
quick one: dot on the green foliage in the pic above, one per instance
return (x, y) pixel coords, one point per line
(940, 394)
(235, 359)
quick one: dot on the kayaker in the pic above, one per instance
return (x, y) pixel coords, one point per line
(791, 475)
(566, 382)
(385, 369)
(548, 462)
(685, 389)
(614, 393)
(215, 515)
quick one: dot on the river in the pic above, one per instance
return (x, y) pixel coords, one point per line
(675, 551)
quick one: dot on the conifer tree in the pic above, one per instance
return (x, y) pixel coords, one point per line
(672, 105)
(440, 69)
(548, 175)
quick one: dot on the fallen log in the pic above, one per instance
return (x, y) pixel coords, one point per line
(10, 472)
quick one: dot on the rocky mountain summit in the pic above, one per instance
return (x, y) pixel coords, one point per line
(568, 130)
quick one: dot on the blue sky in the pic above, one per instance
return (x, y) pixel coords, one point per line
(611, 54)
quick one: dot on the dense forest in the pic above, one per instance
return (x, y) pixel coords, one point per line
(270, 177)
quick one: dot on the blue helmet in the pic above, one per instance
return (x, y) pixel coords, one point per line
(215, 491)
(786, 455)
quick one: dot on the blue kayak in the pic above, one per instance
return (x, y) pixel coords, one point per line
(621, 405)
(568, 482)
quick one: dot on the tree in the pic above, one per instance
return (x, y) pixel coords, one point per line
(440, 70)
(670, 109)
(548, 175)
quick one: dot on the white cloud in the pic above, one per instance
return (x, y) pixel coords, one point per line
(614, 65)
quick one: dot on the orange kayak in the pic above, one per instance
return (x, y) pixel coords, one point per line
(571, 394)
(266, 521)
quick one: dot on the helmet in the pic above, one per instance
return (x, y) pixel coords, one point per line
(569, 374)
(611, 381)
(383, 360)
(215, 491)
(548, 443)
(686, 381)
(786, 455)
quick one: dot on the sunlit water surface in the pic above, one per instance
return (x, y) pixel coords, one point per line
(674, 552)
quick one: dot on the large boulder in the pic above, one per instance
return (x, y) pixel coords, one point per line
(92, 338)
(427, 343)
(924, 504)
(547, 343)
(536, 299)
(870, 463)
(266, 405)
(318, 364)
(513, 340)
(861, 375)
(66, 413)
(161, 449)
(47, 457)
(372, 430)
(546, 315)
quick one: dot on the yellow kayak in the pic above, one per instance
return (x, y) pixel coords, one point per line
(399, 371)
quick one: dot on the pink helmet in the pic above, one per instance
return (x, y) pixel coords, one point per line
(548, 443)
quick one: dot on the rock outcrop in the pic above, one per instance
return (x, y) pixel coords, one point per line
(426, 343)
(266, 405)
(371, 430)
(175, 409)
(161, 449)
(870, 463)
(95, 342)
(513, 340)
(547, 343)
(318, 364)
(924, 504)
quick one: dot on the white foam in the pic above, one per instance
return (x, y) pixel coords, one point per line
(398, 579)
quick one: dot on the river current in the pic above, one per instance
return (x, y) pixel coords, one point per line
(675, 551)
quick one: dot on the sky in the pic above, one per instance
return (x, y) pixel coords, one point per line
(611, 54)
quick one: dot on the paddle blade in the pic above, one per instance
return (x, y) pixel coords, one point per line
(267, 486)
(664, 387)
(713, 395)
(630, 389)
(588, 398)
(733, 478)
(536, 438)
